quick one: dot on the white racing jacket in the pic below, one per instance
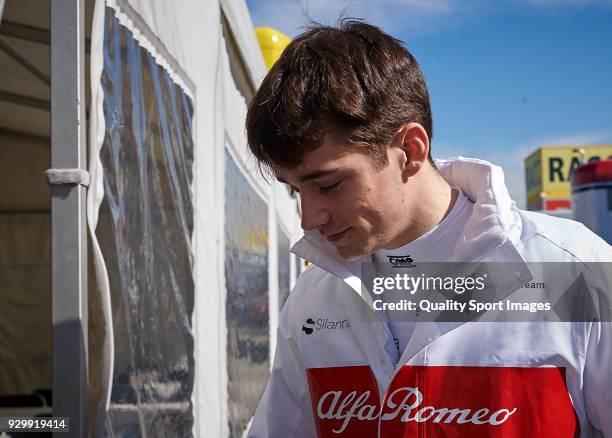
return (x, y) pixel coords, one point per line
(333, 378)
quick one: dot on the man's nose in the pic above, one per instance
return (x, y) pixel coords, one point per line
(314, 214)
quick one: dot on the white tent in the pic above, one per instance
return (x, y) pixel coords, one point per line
(189, 246)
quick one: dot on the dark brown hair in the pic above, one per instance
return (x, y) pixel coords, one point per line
(353, 82)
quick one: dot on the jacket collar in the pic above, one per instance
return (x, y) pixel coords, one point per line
(491, 232)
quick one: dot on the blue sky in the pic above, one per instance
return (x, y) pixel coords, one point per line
(505, 76)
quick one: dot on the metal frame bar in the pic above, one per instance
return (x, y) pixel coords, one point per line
(29, 101)
(21, 135)
(23, 59)
(68, 218)
(25, 32)
(31, 33)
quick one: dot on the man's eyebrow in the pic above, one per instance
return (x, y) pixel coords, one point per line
(310, 176)
(317, 174)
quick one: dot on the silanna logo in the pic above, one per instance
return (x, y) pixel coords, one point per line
(401, 261)
(312, 325)
(308, 326)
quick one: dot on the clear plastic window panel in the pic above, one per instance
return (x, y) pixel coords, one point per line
(145, 230)
(246, 273)
(284, 266)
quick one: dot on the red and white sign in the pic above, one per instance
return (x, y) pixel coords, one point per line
(443, 401)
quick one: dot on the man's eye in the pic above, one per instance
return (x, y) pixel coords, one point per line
(325, 189)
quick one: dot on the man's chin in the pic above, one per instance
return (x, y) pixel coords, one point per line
(351, 254)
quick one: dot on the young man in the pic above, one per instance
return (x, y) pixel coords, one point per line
(344, 119)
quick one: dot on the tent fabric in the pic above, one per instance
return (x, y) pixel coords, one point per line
(22, 181)
(25, 300)
(185, 40)
(99, 292)
(237, 15)
(25, 222)
(25, 267)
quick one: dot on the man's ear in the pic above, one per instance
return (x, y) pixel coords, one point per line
(413, 142)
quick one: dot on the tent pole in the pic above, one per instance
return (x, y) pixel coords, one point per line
(68, 218)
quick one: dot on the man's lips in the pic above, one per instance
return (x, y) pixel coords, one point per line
(337, 236)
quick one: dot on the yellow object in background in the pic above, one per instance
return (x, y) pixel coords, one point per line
(548, 171)
(272, 43)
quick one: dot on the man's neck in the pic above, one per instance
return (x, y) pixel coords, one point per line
(425, 213)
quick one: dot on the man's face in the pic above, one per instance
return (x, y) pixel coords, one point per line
(356, 205)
